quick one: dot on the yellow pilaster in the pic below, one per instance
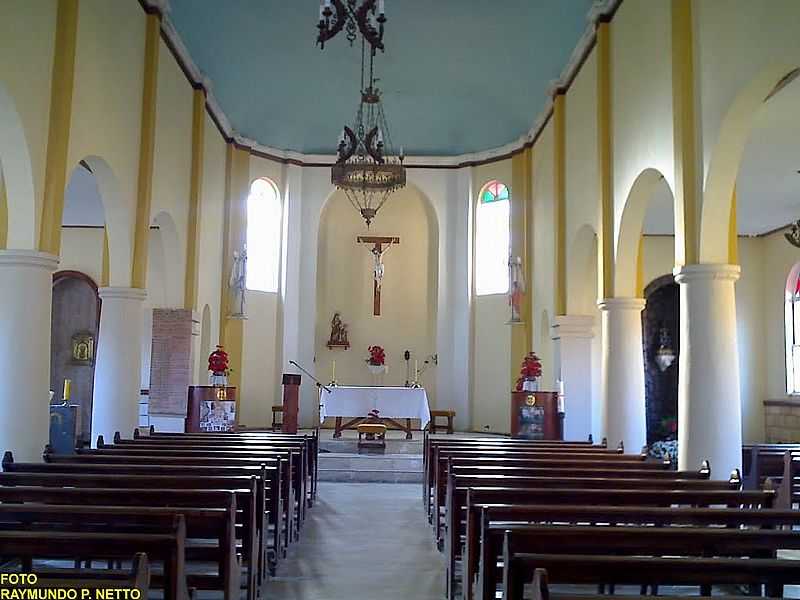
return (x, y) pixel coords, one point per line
(141, 234)
(733, 234)
(559, 203)
(521, 172)
(237, 182)
(195, 194)
(104, 274)
(640, 268)
(3, 213)
(61, 87)
(687, 169)
(605, 233)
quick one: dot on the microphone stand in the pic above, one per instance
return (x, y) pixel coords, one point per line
(318, 383)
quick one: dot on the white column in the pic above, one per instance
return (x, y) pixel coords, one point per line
(622, 374)
(709, 410)
(117, 377)
(26, 303)
(573, 336)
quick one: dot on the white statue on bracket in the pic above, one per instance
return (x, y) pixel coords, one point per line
(237, 284)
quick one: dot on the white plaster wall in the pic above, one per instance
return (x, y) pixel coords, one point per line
(172, 165)
(542, 244)
(258, 384)
(106, 112)
(209, 247)
(29, 29)
(82, 250)
(641, 96)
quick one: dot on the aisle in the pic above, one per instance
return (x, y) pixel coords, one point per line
(363, 542)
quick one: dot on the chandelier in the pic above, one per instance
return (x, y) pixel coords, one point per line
(368, 18)
(366, 167)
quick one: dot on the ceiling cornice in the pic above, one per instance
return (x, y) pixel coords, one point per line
(602, 10)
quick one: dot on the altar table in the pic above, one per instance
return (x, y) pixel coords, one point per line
(389, 403)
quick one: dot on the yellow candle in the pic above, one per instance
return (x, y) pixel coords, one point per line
(67, 389)
(416, 370)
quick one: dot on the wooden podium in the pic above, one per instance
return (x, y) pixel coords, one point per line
(291, 402)
(535, 416)
(211, 408)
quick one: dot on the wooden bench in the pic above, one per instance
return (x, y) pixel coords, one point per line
(449, 415)
(606, 493)
(202, 510)
(135, 578)
(167, 546)
(645, 571)
(486, 545)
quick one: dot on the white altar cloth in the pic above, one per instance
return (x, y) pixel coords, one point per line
(391, 402)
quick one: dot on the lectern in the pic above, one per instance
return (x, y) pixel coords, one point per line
(291, 394)
(535, 416)
(211, 408)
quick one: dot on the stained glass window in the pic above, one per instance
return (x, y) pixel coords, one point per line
(264, 212)
(492, 239)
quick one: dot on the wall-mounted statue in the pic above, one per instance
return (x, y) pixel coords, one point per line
(237, 284)
(338, 332)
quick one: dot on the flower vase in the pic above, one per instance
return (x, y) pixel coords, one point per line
(377, 371)
(530, 385)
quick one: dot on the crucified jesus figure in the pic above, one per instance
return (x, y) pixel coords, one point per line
(380, 246)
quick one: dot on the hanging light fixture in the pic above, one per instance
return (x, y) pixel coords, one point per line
(665, 355)
(368, 18)
(366, 167)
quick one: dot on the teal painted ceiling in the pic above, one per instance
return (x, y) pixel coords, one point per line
(458, 76)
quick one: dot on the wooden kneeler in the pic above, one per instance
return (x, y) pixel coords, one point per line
(372, 436)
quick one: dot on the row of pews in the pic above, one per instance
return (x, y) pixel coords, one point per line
(188, 512)
(508, 513)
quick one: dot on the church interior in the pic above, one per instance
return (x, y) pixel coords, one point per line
(377, 299)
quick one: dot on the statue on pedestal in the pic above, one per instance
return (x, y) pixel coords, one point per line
(237, 285)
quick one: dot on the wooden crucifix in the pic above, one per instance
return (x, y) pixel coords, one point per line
(378, 250)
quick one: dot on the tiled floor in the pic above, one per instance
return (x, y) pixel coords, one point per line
(362, 542)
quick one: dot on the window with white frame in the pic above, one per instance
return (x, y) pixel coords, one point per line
(492, 239)
(792, 328)
(263, 236)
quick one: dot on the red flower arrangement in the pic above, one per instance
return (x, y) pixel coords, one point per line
(218, 361)
(377, 356)
(531, 369)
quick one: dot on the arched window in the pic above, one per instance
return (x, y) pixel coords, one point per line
(792, 325)
(492, 239)
(263, 236)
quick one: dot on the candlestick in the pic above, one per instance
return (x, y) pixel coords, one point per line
(67, 389)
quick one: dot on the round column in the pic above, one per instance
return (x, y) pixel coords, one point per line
(709, 410)
(26, 281)
(622, 373)
(117, 374)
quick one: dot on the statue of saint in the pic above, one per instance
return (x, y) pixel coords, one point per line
(237, 283)
(338, 332)
(516, 288)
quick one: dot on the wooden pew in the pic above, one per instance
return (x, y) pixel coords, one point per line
(645, 571)
(293, 455)
(135, 578)
(484, 546)
(217, 524)
(765, 461)
(251, 436)
(605, 492)
(564, 457)
(249, 492)
(507, 461)
(283, 502)
(167, 546)
(200, 509)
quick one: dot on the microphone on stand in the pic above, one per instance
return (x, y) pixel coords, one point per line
(318, 383)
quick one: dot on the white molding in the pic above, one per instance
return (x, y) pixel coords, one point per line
(598, 10)
(573, 326)
(122, 293)
(694, 272)
(612, 304)
(28, 258)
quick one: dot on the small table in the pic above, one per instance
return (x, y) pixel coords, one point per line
(385, 403)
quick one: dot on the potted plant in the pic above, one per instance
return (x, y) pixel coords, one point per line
(529, 373)
(376, 362)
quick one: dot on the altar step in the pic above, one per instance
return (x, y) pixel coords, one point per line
(364, 468)
(348, 443)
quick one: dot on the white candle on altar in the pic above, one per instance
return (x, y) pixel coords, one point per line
(416, 371)
(333, 370)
